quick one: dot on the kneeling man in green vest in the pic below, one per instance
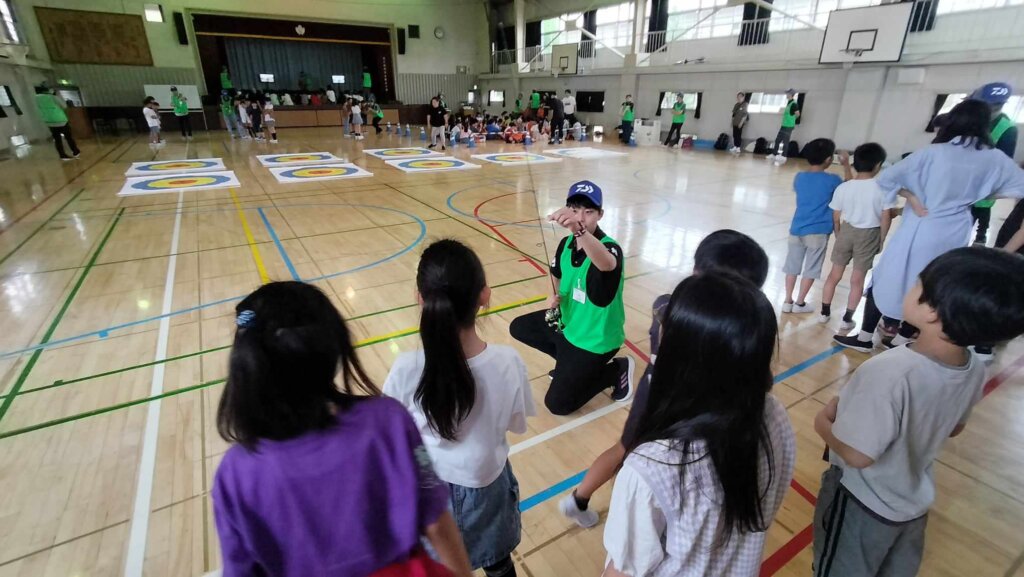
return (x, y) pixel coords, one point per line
(584, 326)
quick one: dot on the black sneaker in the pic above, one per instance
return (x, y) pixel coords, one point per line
(851, 342)
(431, 146)
(623, 391)
(443, 148)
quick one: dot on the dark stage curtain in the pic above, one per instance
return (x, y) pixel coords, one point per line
(250, 57)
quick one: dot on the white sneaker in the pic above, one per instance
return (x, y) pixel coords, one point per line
(823, 319)
(802, 309)
(787, 307)
(780, 160)
(585, 519)
(847, 326)
(273, 141)
(900, 340)
(770, 157)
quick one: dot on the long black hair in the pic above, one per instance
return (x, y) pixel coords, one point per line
(289, 346)
(969, 119)
(707, 394)
(450, 280)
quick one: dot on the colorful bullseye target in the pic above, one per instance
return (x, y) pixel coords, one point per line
(390, 153)
(162, 184)
(175, 167)
(516, 158)
(293, 159)
(318, 172)
(432, 164)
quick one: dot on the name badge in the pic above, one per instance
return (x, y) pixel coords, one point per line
(579, 295)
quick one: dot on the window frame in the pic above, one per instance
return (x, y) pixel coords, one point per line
(757, 108)
(490, 97)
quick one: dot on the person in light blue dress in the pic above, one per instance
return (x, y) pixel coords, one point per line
(942, 181)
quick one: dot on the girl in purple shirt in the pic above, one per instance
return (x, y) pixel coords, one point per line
(322, 480)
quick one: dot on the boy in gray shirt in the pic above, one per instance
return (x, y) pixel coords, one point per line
(890, 421)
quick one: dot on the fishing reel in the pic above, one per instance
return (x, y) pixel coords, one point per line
(553, 317)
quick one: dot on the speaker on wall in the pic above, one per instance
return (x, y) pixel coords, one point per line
(179, 25)
(401, 40)
(414, 31)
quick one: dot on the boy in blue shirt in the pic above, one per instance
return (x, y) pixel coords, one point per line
(812, 223)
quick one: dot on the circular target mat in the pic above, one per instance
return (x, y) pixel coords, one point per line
(178, 165)
(320, 172)
(516, 157)
(285, 158)
(404, 152)
(432, 163)
(176, 182)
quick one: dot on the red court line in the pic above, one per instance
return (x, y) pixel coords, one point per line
(504, 239)
(516, 222)
(791, 549)
(637, 352)
(803, 492)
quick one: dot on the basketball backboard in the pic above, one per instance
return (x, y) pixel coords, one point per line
(564, 58)
(869, 34)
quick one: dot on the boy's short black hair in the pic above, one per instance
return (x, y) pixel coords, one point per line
(581, 201)
(818, 151)
(867, 157)
(977, 295)
(734, 252)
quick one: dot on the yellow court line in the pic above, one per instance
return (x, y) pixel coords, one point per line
(264, 277)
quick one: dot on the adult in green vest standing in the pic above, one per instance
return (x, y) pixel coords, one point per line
(180, 105)
(534, 103)
(518, 106)
(678, 119)
(628, 115)
(1004, 137)
(790, 114)
(51, 110)
(584, 325)
(367, 83)
(225, 80)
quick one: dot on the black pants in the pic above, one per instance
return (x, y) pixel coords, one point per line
(1011, 225)
(557, 123)
(783, 138)
(872, 315)
(579, 375)
(627, 131)
(737, 136)
(982, 216)
(185, 124)
(376, 124)
(676, 129)
(65, 131)
(503, 568)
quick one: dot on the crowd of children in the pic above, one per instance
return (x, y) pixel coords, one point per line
(328, 476)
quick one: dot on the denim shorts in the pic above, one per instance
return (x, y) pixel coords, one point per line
(488, 518)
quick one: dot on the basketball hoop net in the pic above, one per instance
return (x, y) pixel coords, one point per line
(855, 51)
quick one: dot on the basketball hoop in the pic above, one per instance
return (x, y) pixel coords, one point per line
(857, 52)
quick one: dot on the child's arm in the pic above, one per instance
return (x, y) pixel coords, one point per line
(915, 203)
(823, 426)
(444, 537)
(1016, 241)
(836, 220)
(886, 223)
(844, 159)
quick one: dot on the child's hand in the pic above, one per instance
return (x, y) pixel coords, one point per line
(554, 301)
(566, 219)
(844, 158)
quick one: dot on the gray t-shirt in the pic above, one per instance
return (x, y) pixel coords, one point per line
(899, 408)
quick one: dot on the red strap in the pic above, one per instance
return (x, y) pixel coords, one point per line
(420, 565)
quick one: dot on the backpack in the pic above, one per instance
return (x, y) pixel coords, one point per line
(687, 142)
(761, 146)
(723, 142)
(793, 151)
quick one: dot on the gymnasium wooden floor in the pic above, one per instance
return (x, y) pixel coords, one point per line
(96, 289)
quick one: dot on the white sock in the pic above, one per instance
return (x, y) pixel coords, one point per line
(899, 340)
(864, 337)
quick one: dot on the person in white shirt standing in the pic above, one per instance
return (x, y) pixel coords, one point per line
(332, 96)
(464, 395)
(713, 453)
(243, 117)
(149, 111)
(569, 106)
(861, 220)
(269, 123)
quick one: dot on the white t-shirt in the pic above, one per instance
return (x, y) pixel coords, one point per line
(268, 112)
(569, 104)
(860, 202)
(152, 117)
(503, 402)
(356, 109)
(332, 96)
(243, 114)
(899, 408)
(659, 528)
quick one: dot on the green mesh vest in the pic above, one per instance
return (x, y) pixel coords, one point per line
(789, 115)
(1003, 123)
(588, 326)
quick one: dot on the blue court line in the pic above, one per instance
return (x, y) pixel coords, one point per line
(103, 333)
(564, 485)
(280, 247)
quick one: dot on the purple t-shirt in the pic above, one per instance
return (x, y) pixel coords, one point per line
(345, 501)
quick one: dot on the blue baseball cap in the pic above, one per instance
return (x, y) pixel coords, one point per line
(993, 93)
(587, 189)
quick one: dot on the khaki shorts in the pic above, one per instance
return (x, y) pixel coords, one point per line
(857, 244)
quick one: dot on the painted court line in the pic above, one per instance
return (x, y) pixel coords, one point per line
(260, 267)
(147, 462)
(280, 247)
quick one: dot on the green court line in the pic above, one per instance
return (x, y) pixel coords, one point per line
(136, 402)
(41, 226)
(56, 320)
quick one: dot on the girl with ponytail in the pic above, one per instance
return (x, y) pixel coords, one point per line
(464, 395)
